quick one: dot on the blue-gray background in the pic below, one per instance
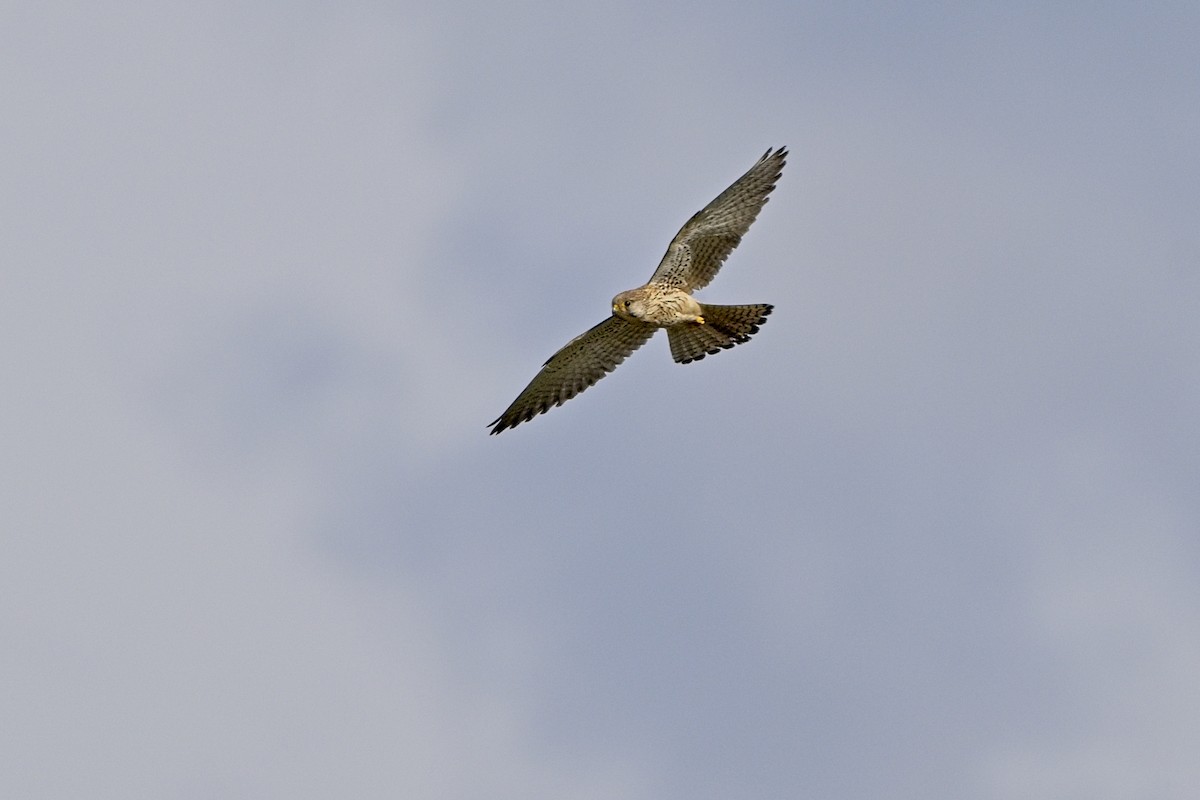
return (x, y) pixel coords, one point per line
(269, 268)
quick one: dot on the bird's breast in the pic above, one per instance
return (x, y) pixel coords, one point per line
(671, 307)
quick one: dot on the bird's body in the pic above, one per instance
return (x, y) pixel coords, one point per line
(694, 329)
(657, 304)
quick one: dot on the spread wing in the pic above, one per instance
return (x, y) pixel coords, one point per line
(707, 239)
(584, 360)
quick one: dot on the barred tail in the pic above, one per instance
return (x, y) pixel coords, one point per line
(723, 327)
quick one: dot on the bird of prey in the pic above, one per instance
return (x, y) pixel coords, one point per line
(694, 329)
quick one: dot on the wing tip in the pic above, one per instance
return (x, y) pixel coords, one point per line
(509, 419)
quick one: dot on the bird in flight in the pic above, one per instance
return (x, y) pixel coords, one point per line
(694, 329)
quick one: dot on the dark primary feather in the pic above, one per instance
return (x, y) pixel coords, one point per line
(706, 240)
(584, 360)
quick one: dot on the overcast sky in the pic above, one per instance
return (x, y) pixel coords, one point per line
(268, 269)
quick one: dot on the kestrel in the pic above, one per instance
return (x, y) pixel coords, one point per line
(694, 329)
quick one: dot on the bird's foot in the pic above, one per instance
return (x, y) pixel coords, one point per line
(699, 320)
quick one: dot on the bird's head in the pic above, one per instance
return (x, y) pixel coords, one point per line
(628, 305)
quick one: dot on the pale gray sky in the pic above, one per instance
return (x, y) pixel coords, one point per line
(933, 534)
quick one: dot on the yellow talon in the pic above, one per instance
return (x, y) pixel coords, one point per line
(700, 320)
